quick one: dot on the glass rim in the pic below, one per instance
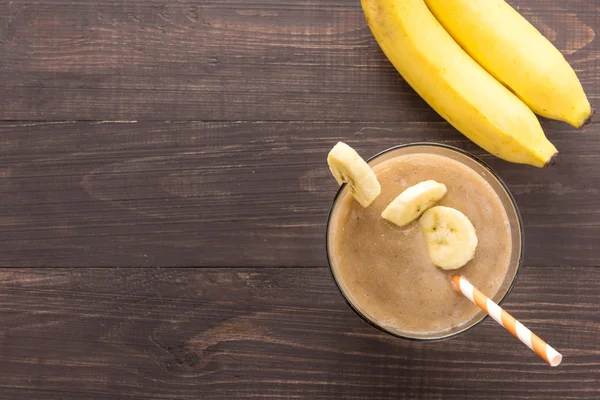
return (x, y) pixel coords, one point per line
(520, 229)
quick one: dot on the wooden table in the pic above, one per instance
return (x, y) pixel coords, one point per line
(165, 192)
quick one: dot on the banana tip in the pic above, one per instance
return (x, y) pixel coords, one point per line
(552, 160)
(589, 118)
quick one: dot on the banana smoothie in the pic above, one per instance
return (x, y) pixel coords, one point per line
(385, 270)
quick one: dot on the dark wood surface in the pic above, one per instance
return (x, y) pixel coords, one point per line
(175, 333)
(164, 197)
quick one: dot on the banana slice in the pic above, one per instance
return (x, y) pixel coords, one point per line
(413, 202)
(349, 168)
(450, 237)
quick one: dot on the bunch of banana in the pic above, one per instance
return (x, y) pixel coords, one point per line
(464, 92)
(517, 54)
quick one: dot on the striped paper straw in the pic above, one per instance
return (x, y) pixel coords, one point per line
(519, 330)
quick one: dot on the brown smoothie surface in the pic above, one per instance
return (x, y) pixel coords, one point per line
(384, 269)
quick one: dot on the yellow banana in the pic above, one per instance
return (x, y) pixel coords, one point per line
(458, 88)
(517, 54)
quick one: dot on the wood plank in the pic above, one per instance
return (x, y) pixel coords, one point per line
(241, 194)
(280, 333)
(228, 60)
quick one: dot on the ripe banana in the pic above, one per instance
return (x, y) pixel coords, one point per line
(348, 167)
(413, 202)
(450, 237)
(458, 88)
(517, 54)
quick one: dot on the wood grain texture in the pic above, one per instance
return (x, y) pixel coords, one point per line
(160, 171)
(274, 333)
(241, 194)
(228, 60)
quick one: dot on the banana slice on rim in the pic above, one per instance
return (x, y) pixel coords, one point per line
(450, 237)
(349, 168)
(413, 202)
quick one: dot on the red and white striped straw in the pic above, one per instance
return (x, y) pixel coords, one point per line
(519, 330)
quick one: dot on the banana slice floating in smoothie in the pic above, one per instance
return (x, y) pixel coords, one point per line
(349, 168)
(413, 202)
(450, 237)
